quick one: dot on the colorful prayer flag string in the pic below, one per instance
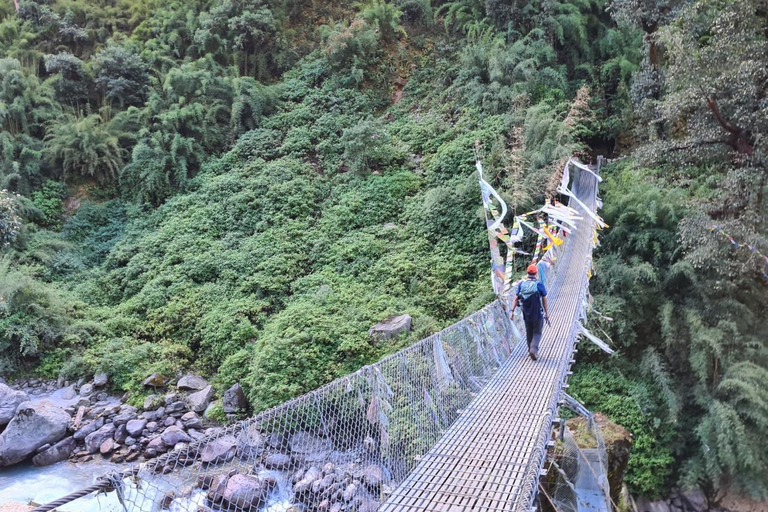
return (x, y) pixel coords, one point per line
(739, 245)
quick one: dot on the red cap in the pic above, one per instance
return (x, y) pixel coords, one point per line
(533, 269)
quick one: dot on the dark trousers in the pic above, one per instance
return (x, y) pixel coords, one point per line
(533, 334)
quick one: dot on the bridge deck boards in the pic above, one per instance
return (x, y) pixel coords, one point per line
(484, 460)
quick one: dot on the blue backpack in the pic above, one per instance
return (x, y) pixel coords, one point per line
(529, 299)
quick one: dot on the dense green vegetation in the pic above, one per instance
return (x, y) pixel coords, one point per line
(243, 187)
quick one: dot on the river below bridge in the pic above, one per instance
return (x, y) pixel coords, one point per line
(25, 483)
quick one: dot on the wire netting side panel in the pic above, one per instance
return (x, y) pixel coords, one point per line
(345, 446)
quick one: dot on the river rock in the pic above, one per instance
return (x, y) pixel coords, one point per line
(390, 328)
(86, 390)
(250, 442)
(107, 446)
(154, 381)
(234, 399)
(122, 419)
(175, 407)
(247, 491)
(56, 453)
(173, 435)
(219, 450)
(153, 402)
(134, 427)
(308, 448)
(121, 434)
(100, 380)
(10, 399)
(94, 441)
(199, 401)
(191, 420)
(34, 425)
(157, 444)
(373, 476)
(68, 393)
(192, 383)
(279, 461)
(152, 426)
(89, 428)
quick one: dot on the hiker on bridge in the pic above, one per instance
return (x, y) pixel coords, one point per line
(531, 295)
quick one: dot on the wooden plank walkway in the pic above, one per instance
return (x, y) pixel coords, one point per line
(490, 458)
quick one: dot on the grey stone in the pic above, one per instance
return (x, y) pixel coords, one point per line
(94, 440)
(10, 399)
(122, 419)
(158, 444)
(279, 461)
(169, 421)
(107, 447)
(154, 381)
(247, 491)
(68, 393)
(86, 390)
(219, 450)
(134, 427)
(152, 426)
(390, 328)
(199, 401)
(250, 442)
(192, 383)
(308, 448)
(56, 453)
(121, 434)
(234, 399)
(191, 420)
(100, 380)
(175, 407)
(91, 427)
(173, 435)
(34, 425)
(373, 476)
(153, 402)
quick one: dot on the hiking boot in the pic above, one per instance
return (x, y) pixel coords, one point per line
(533, 354)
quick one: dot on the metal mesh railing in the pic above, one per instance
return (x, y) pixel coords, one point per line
(581, 482)
(341, 447)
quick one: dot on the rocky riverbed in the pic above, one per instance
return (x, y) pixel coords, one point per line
(58, 437)
(81, 421)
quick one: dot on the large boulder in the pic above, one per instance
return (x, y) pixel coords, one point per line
(154, 381)
(192, 383)
(219, 450)
(94, 440)
(390, 328)
(199, 401)
(56, 453)
(86, 390)
(245, 492)
(174, 434)
(10, 399)
(100, 380)
(234, 399)
(278, 461)
(309, 449)
(135, 427)
(35, 424)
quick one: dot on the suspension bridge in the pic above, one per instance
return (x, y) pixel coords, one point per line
(460, 421)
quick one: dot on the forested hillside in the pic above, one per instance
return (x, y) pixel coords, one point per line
(243, 187)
